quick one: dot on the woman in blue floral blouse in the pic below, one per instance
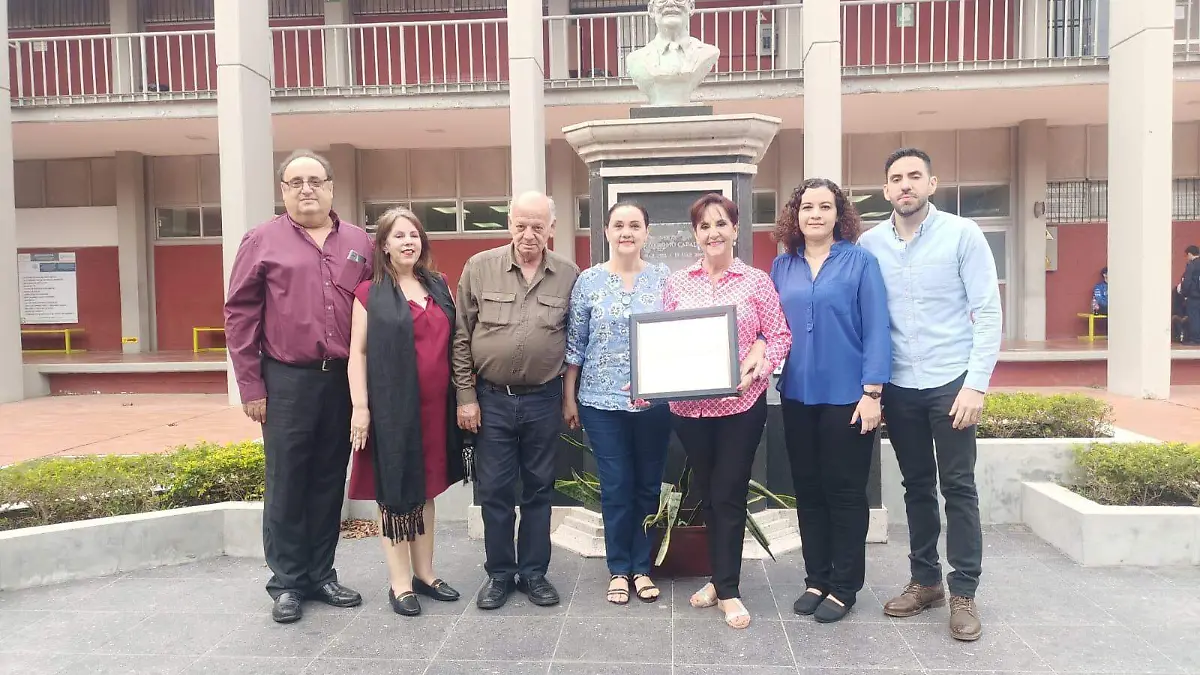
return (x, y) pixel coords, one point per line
(628, 441)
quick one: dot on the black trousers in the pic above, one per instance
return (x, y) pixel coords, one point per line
(930, 451)
(831, 462)
(720, 451)
(1192, 327)
(517, 438)
(307, 443)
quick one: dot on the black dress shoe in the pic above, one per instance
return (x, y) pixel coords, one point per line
(438, 590)
(539, 589)
(494, 593)
(405, 605)
(808, 601)
(830, 611)
(287, 607)
(337, 595)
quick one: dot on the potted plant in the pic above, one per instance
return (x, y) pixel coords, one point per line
(677, 529)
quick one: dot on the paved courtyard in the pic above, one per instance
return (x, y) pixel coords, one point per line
(1041, 613)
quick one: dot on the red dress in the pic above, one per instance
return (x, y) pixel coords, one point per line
(431, 335)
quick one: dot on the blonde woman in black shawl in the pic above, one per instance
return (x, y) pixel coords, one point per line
(403, 429)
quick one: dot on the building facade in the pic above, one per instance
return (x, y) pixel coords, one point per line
(123, 155)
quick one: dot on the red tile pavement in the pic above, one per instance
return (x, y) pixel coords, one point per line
(117, 424)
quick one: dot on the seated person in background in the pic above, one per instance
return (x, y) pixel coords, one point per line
(1100, 294)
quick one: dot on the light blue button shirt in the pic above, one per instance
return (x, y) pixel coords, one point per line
(944, 301)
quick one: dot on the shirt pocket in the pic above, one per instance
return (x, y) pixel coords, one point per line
(350, 275)
(496, 308)
(551, 311)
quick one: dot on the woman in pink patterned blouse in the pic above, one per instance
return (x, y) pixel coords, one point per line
(721, 435)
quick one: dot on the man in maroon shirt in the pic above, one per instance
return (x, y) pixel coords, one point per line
(287, 326)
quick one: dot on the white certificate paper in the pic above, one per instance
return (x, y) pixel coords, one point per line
(686, 355)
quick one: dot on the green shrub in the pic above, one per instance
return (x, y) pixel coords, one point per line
(1140, 474)
(209, 474)
(1024, 415)
(67, 489)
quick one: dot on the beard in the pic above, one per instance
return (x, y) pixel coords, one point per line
(911, 208)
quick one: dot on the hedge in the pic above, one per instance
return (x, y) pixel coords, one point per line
(1025, 415)
(66, 489)
(1139, 474)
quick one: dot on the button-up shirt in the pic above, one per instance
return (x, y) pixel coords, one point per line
(290, 299)
(598, 331)
(839, 321)
(944, 301)
(511, 331)
(758, 314)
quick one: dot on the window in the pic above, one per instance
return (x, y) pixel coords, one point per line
(438, 216)
(485, 216)
(984, 201)
(764, 207)
(998, 241)
(583, 213)
(375, 210)
(871, 205)
(188, 222)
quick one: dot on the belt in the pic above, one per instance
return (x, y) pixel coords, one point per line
(324, 365)
(516, 389)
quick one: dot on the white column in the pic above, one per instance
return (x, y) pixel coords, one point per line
(823, 82)
(791, 167)
(563, 191)
(126, 53)
(1140, 80)
(560, 32)
(12, 386)
(344, 159)
(132, 251)
(1032, 141)
(248, 184)
(526, 107)
(337, 43)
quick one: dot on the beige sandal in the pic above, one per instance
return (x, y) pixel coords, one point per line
(617, 595)
(702, 599)
(739, 618)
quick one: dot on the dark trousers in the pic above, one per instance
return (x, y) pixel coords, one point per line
(517, 439)
(1192, 327)
(307, 443)
(630, 450)
(930, 450)
(831, 461)
(720, 452)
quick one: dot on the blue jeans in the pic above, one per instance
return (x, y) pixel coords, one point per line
(630, 450)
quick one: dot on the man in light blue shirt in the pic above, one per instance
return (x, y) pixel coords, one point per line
(944, 303)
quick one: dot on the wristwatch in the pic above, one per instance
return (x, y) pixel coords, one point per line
(873, 394)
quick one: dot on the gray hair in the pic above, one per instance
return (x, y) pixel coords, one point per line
(304, 154)
(549, 203)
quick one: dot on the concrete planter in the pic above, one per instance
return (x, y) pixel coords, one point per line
(1003, 465)
(36, 556)
(1096, 535)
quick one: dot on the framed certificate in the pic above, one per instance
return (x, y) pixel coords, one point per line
(684, 355)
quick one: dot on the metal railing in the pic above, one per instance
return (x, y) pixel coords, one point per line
(391, 57)
(888, 36)
(753, 41)
(1187, 30)
(101, 68)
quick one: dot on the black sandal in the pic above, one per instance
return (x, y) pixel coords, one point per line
(641, 592)
(621, 593)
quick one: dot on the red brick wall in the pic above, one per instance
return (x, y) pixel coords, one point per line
(99, 293)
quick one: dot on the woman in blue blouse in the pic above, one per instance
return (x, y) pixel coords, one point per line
(628, 441)
(833, 295)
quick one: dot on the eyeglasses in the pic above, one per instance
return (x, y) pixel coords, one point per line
(298, 183)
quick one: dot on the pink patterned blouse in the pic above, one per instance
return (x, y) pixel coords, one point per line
(758, 313)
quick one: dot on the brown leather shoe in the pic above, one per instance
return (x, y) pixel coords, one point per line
(964, 619)
(915, 599)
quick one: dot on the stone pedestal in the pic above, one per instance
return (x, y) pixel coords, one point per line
(665, 164)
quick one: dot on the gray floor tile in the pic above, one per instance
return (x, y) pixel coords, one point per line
(1080, 649)
(54, 596)
(867, 608)
(182, 595)
(615, 640)
(383, 636)
(1139, 607)
(13, 621)
(709, 641)
(441, 667)
(178, 634)
(518, 603)
(259, 636)
(247, 665)
(846, 645)
(328, 666)
(590, 600)
(1049, 605)
(208, 569)
(35, 664)
(757, 598)
(67, 632)
(734, 670)
(122, 664)
(560, 668)
(1182, 577)
(1178, 643)
(375, 602)
(999, 648)
(513, 638)
(880, 671)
